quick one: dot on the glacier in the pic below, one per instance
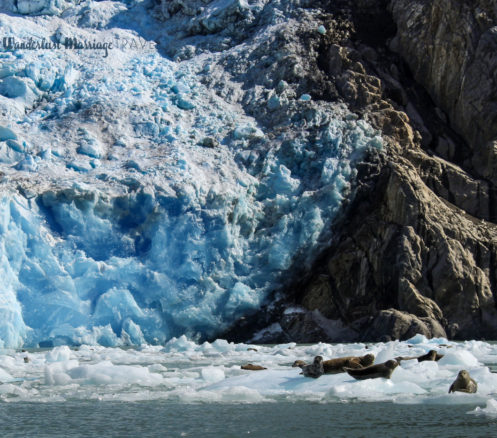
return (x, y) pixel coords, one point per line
(168, 184)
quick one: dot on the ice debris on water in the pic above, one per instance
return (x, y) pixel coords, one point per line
(188, 372)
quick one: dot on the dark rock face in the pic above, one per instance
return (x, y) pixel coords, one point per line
(416, 249)
(451, 48)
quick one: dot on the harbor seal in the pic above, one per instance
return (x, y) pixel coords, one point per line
(252, 367)
(384, 370)
(432, 355)
(335, 366)
(314, 370)
(464, 383)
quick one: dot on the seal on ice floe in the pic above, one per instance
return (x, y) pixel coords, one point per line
(464, 383)
(337, 365)
(384, 370)
(252, 367)
(432, 355)
(314, 370)
(334, 366)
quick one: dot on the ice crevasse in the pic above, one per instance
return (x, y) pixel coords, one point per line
(137, 204)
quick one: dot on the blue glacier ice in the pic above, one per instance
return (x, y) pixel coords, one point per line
(120, 224)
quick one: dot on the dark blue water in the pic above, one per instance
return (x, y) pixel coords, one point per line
(281, 419)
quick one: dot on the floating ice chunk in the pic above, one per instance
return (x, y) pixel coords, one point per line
(58, 354)
(55, 377)
(305, 97)
(490, 410)
(322, 30)
(418, 339)
(241, 394)
(157, 368)
(420, 371)
(422, 339)
(222, 345)
(461, 358)
(13, 390)
(179, 344)
(105, 373)
(386, 353)
(5, 376)
(373, 389)
(212, 374)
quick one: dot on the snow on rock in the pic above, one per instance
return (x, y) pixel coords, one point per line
(120, 224)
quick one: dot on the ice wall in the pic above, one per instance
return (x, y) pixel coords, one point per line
(138, 203)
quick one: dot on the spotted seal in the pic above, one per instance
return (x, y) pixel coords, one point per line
(464, 383)
(299, 363)
(384, 370)
(314, 370)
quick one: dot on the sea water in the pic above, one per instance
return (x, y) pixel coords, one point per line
(187, 389)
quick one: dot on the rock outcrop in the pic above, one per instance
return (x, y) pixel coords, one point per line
(451, 48)
(416, 249)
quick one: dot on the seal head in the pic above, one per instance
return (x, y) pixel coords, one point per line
(367, 360)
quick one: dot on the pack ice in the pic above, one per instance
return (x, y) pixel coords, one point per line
(166, 185)
(183, 371)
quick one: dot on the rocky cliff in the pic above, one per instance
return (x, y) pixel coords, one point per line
(416, 248)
